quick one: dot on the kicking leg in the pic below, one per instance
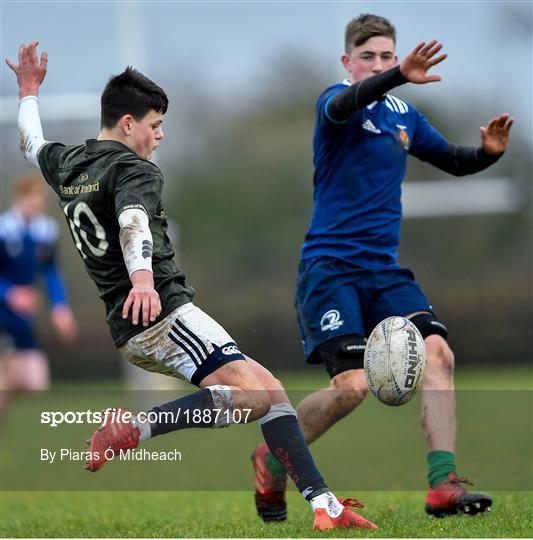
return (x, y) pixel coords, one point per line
(190, 345)
(232, 387)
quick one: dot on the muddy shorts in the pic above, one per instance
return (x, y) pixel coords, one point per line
(187, 344)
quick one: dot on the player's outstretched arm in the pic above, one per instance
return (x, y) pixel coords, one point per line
(30, 73)
(495, 135)
(463, 160)
(415, 66)
(413, 69)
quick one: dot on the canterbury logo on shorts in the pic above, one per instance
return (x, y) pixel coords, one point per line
(195, 347)
(230, 349)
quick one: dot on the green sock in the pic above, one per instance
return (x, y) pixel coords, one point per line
(440, 464)
(274, 467)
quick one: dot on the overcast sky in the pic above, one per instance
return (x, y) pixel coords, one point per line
(231, 45)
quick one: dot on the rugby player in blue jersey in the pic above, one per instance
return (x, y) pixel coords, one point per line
(28, 245)
(349, 279)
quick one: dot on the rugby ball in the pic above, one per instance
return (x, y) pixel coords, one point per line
(395, 358)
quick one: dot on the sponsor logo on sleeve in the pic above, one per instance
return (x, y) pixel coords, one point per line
(146, 249)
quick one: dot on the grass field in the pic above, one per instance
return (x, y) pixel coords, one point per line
(222, 514)
(371, 455)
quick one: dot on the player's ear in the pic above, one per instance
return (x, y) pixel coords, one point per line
(125, 124)
(345, 61)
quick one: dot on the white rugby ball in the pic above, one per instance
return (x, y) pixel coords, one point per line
(395, 358)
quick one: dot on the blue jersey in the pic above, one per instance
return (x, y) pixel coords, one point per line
(359, 168)
(27, 252)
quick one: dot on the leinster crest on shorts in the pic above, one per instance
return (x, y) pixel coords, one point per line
(331, 320)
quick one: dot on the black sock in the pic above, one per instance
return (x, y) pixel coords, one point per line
(287, 444)
(192, 411)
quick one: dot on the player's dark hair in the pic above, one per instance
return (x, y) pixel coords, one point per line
(362, 28)
(130, 92)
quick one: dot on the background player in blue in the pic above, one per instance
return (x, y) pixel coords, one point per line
(110, 193)
(349, 278)
(28, 243)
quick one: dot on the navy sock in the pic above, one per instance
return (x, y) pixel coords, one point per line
(182, 413)
(287, 444)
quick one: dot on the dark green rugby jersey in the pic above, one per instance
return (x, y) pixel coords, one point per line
(95, 182)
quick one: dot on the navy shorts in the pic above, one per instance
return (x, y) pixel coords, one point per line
(334, 298)
(17, 328)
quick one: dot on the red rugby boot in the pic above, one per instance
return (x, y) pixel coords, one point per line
(117, 433)
(269, 490)
(450, 497)
(348, 519)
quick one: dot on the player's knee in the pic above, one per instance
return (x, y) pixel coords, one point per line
(258, 402)
(253, 402)
(273, 386)
(439, 354)
(270, 382)
(347, 400)
(351, 387)
(277, 384)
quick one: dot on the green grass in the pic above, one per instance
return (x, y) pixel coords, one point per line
(223, 514)
(371, 455)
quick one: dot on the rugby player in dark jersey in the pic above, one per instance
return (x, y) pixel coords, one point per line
(349, 278)
(111, 196)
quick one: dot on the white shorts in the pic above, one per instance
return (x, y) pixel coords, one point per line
(187, 344)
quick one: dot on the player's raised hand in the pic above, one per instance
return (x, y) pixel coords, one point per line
(415, 65)
(495, 135)
(143, 299)
(30, 70)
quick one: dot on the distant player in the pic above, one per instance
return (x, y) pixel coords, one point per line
(349, 279)
(28, 245)
(111, 195)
